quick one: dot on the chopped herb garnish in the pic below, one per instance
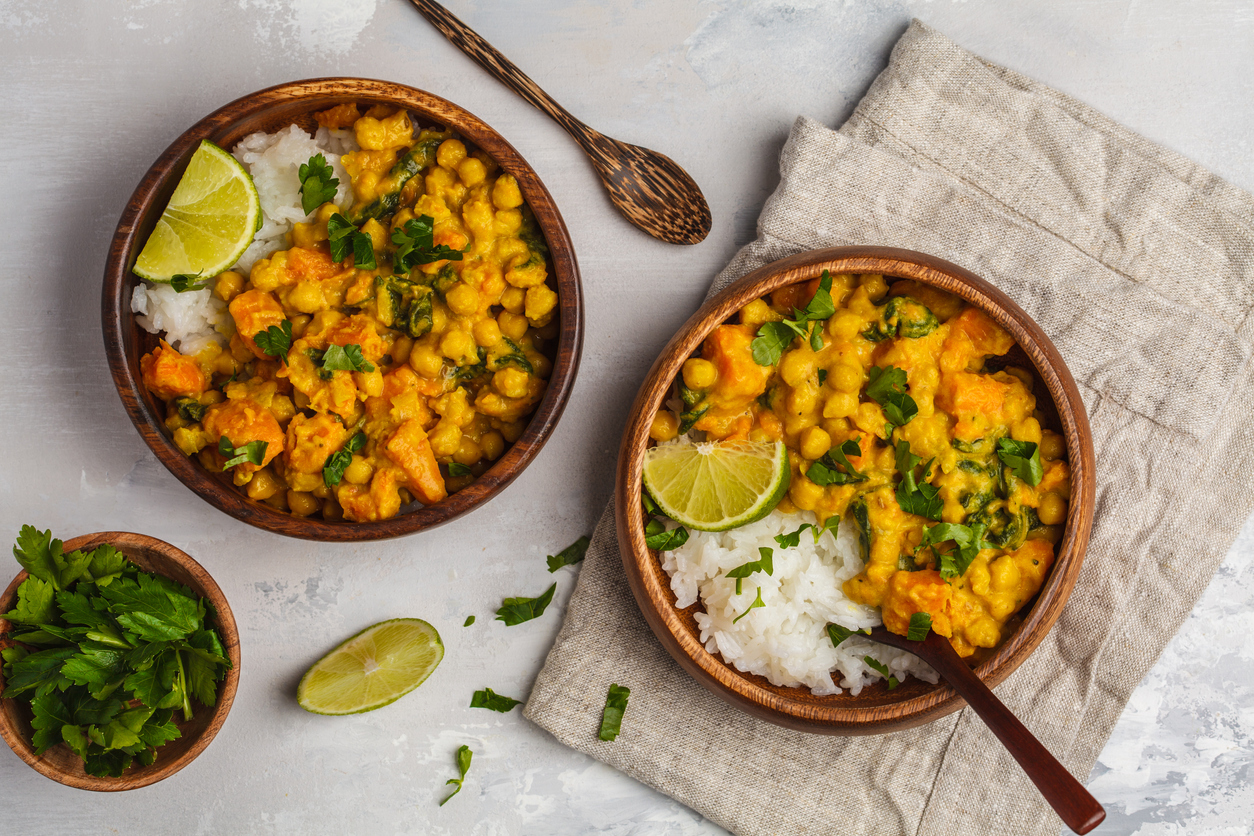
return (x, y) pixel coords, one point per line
(1023, 458)
(493, 701)
(275, 340)
(822, 376)
(345, 238)
(183, 282)
(916, 496)
(757, 602)
(458, 469)
(191, 409)
(659, 539)
(838, 634)
(463, 766)
(568, 556)
(834, 468)
(765, 564)
(254, 452)
(517, 610)
(415, 244)
(887, 387)
(345, 358)
(470, 619)
(650, 507)
(612, 714)
(968, 540)
(774, 337)
(882, 670)
(338, 462)
(318, 183)
(920, 626)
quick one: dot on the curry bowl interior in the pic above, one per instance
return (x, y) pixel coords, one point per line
(875, 710)
(59, 762)
(270, 110)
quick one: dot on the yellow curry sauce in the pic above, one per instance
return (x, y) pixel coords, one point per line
(817, 401)
(452, 349)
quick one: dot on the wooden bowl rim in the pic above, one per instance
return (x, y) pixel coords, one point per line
(145, 547)
(795, 708)
(117, 319)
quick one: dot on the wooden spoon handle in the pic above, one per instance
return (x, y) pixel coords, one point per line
(1078, 809)
(487, 56)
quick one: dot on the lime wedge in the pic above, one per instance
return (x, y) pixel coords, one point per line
(208, 223)
(714, 486)
(377, 666)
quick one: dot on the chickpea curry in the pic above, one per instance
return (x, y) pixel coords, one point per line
(898, 410)
(392, 353)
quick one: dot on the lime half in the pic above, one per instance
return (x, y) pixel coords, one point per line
(377, 666)
(209, 222)
(714, 486)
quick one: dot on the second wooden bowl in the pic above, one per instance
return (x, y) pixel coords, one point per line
(273, 109)
(59, 762)
(875, 710)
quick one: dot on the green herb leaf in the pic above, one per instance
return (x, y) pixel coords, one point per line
(967, 539)
(772, 339)
(275, 341)
(106, 564)
(34, 551)
(183, 282)
(50, 715)
(569, 556)
(40, 672)
(415, 244)
(470, 619)
(662, 540)
(838, 634)
(822, 376)
(834, 468)
(463, 766)
(148, 608)
(517, 610)
(338, 462)
(920, 626)
(345, 238)
(345, 358)
(254, 452)
(1023, 458)
(887, 387)
(650, 507)
(612, 714)
(190, 409)
(493, 701)
(458, 469)
(757, 602)
(764, 564)
(34, 603)
(882, 670)
(318, 183)
(793, 539)
(916, 497)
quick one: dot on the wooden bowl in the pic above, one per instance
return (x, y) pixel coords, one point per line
(875, 710)
(270, 110)
(59, 762)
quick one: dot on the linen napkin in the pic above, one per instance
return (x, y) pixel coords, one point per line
(1140, 266)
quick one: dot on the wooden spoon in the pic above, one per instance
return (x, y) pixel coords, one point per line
(1073, 803)
(649, 189)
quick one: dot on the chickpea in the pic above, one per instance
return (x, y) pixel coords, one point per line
(815, 442)
(225, 364)
(424, 360)
(1052, 445)
(492, 445)
(844, 325)
(539, 303)
(513, 299)
(439, 316)
(471, 172)
(803, 400)
(876, 287)
(505, 193)
(757, 312)
(665, 426)
(331, 510)
(804, 493)
(512, 325)
(370, 383)
(300, 322)
(492, 286)
(239, 351)
(796, 367)
(840, 405)
(301, 504)
(513, 430)
(983, 632)
(263, 485)
(1053, 510)
(445, 438)
(487, 333)
(300, 399)
(228, 285)
(509, 220)
(379, 236)
(510, 382)
(359, 471)
(699, 374)
(1004, 574)
(457, 345)
(844, 377)
(1029, 429)
(541, 365)
(468, 451)
(210, 396)
(450, 153)
(282, 408)
(462, 299)
(401, 347)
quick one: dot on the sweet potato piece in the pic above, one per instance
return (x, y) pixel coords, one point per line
(242, 422)
(912, 592)
(411, 450)
(254, 311)
(169, 375)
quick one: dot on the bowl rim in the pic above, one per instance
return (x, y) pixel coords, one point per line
(799, 710)
(303, 98)
(131, 544)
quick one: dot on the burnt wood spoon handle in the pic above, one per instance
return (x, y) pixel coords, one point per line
(1078, 809)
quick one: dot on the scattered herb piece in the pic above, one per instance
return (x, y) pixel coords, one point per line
(463, 766)
(470, 619)
(191, 409)
(659, 539)
(757, 602)
(834, 468)
(517, 610)
(276, 340)
(920, 626)
(838, 634)
(650, 507)
(415, 244)
(887, 387)
(968, 540)
(612, 714)
(338, 462)
(345, 358)
(793, 539)
(916, 496)
(882, 670)
(764, 564)
(254, 452)
(1023, 458)
(822, 376)
(318, 183)
(568, 556)
(492, 701)
(458, 469)
(345, 238)
(183, 282)
(774, 337)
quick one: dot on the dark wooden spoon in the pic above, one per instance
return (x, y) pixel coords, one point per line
(1078, 810)
(649, 189)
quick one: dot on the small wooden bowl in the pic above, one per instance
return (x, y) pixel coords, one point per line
(59, 762)
(875, 710)
(269, 110)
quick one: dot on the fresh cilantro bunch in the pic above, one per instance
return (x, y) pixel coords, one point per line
(106, 653)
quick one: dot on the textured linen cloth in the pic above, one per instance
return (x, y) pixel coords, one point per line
(1140, 266)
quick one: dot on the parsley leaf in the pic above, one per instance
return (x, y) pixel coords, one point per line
(916, 497)
(318, 183)
(793, 539)
(345, 238)
(493, 701)
(183, 282)
(34, 551)
(34, 603)
(346, 358)
(254, 452)
(659, 539)
(887, 387)
(470, 619)
(463, 766)
(757, 602)
(568, 556)
(882, 670)
(150, 610)
(338, 462)
(920, 626)
(415, 244)
(517, 610)
(834, 468)
(774, 337)
(458, 469)
(612, 714)
(50, 715)
(1023, 458)
(967, 539)
(765, 564)
(275, 341)
(838, 634)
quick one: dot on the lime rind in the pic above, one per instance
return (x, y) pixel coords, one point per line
(210, 221)
(716, 486)
(373, 668)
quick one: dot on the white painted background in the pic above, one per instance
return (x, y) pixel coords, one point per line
(91, 92)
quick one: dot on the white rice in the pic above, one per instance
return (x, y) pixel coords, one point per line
(195, 319)
(786, 639)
